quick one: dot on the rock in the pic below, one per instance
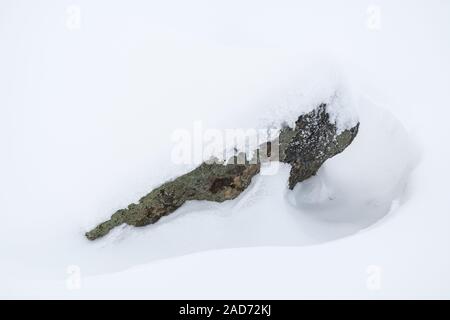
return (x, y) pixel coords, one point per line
(210, 181)
(313, 140)
(305, 147)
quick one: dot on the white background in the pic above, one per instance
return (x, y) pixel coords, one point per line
(87, 109)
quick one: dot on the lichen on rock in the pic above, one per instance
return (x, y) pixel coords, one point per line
(313, 140)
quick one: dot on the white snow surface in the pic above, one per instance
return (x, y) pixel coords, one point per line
(87, 115)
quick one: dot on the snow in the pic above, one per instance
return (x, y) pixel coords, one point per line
(87, 116)
(315, 84)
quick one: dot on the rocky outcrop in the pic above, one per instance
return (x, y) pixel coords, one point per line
(312, 141)
(209, 181)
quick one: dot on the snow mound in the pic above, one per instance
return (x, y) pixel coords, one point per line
(361, 185)
(317, 84)
(351, 192)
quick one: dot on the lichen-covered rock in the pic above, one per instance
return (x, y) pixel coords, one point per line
(306, 147)
(210, 181)
(313, 140)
